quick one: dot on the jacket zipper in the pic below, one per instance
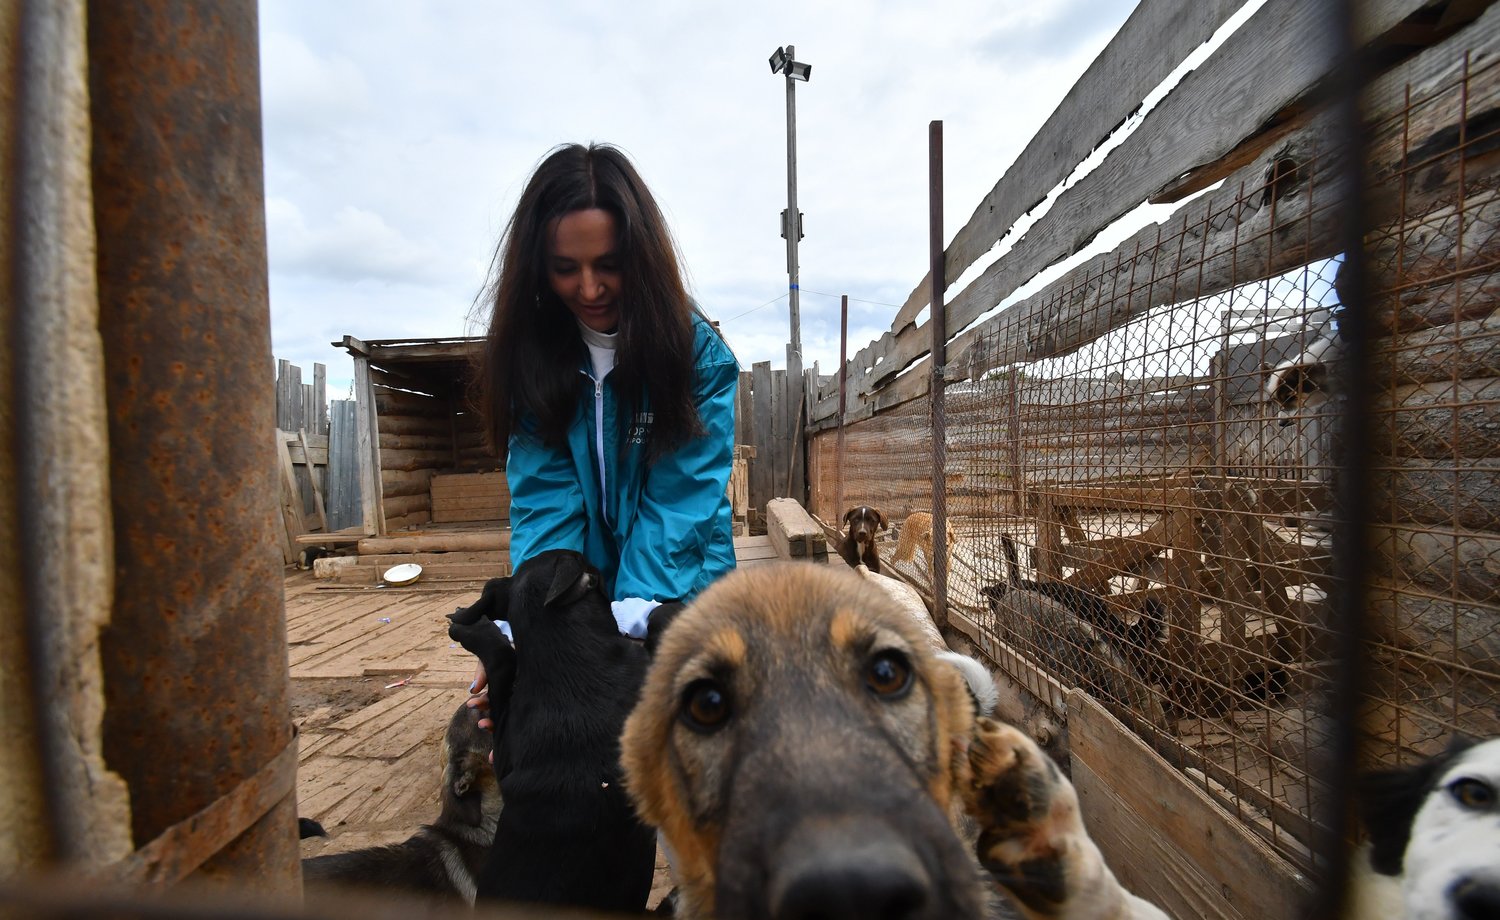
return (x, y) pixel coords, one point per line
(599, 446)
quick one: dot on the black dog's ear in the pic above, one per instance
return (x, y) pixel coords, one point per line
(881, 518)
(849, 515)
(493, 604)
(657, 623)
(1388, 804)
(571, 580)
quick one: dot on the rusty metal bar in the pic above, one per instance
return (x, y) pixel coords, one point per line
(939, 323)
(1353, 506)
(196, 679)
(55, 466)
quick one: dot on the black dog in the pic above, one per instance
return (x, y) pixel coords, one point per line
(1138, 641)
(558, 699)
(441, 859)
(858, 547)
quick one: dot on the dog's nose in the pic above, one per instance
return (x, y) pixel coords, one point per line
(1476, 899)
(868, 883)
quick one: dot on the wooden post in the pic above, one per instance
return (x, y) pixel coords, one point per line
(368, 449)
(765, 456)
(838, 463)
(939, 325)
(319, 420)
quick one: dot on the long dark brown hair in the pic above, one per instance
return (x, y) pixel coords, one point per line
(533, 350)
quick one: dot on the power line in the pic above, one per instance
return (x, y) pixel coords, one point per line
(876, 303)
(753, 309)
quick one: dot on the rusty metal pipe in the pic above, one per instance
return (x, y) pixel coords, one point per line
(196, 678)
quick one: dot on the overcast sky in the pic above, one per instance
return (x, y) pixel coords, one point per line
(398, 135)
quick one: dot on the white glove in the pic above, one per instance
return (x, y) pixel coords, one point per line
(632, 614)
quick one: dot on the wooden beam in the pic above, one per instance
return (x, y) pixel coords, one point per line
(1165, 838)
(293, 525)
(367, 449)
(1047, 323)
(312, 475)
(795, 533)
(1154, 39)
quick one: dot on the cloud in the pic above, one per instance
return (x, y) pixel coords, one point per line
(398, 137)
(353, 245)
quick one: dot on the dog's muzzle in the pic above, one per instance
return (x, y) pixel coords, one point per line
(849, 869)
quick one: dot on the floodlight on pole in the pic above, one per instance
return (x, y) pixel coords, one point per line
(783, 61)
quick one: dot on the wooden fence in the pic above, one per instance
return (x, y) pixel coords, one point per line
(767, 421)
(1123, 424)
(315, 443)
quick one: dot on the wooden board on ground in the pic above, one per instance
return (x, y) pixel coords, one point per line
(754, 550)
(795, 533)
(1165, 839)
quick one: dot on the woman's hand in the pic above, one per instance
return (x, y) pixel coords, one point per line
(479, 697)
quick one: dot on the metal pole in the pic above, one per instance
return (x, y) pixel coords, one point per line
(195, 660)
(939, 358)
(793, 216)
(838, 466)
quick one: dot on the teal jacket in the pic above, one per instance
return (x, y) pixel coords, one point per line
(658, 531)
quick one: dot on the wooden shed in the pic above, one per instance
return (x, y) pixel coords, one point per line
(427, 482)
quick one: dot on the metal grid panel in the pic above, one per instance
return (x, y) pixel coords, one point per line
(1169, 487)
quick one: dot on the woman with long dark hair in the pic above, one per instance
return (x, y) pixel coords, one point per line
(611, 393)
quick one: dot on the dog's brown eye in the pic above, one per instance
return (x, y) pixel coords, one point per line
(888, 674)
(705, 706)
(1473, 793)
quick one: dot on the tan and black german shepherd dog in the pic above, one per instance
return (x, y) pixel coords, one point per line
(441, 859)
(806, 753)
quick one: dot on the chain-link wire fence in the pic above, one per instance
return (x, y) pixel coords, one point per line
(1151, 516)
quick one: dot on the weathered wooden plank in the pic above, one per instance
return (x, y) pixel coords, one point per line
(313, 478)
(319, 421)
(1266, 64)
(1455, 562)
(1463, 493)
(794, 533)
(409, 460)
(1229, 228)
(1437, 629)
(291, 503)
(1438, 420)
(367, 449)
(436, 543)
(761, 466)
(401, 402)
(1154, 39)
(1201, 862)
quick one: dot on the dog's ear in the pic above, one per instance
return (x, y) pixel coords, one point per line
(571, 580)
(881, 518)
(1388, 802)
(657, 623)
(849, 515)
(493, 604)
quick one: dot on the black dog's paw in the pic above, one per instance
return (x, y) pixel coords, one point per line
(307, 827)
(485, 641)
(493, 604)
(658, 621)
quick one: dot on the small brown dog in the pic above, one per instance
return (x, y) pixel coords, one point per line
(862, 523)
(916, 531)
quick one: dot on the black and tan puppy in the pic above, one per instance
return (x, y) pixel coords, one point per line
(805, 753)
(443, 858)
(861, 525)
(559, 697)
